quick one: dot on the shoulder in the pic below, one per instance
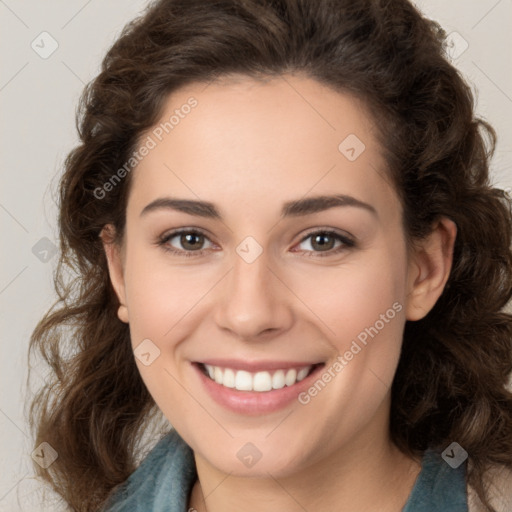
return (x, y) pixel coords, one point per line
(162, 481)
(498, 480)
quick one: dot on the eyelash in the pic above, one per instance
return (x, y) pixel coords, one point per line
(347, 243)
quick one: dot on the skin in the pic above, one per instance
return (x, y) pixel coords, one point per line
(248, 147)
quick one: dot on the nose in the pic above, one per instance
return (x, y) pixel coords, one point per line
(255, 302)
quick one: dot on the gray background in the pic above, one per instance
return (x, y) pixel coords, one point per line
(38, 97)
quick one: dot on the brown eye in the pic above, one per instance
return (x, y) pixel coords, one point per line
(328, 242)
(323, 241)
(191, 241)
(185, 242)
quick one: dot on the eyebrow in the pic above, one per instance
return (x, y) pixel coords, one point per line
(297, 208)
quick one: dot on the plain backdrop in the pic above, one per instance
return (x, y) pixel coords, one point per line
(39, 91)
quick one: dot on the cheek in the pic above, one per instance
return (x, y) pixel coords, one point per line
(160, 295)
(360, 308)
(162, 301)
(353, 296)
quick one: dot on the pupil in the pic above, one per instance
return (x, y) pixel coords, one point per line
(187, 240)
(322, 244)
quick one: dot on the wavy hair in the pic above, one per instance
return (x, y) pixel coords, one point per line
(451, 381)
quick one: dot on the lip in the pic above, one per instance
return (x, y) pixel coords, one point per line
(252, 403)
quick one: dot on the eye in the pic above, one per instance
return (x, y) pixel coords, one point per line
(324, 241)
(190, 240)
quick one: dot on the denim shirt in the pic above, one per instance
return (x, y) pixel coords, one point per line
(164, 480)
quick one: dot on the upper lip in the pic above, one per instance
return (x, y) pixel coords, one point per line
(254, 366)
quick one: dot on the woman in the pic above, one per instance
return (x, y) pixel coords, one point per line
(285, 241)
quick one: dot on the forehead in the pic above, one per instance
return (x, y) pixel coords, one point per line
(239, 137)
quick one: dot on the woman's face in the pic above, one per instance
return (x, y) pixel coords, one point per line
(255, 174)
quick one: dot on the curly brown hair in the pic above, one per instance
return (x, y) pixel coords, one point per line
(451, 382)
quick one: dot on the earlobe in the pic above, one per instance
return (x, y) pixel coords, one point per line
(430, 269)
(122, 313)
(115, 268)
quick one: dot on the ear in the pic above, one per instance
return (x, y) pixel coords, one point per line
(429, 269)
(115, 262)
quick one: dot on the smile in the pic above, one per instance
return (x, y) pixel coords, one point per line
(260, 381)
(254, 388)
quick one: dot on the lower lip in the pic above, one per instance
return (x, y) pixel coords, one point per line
(253, 403)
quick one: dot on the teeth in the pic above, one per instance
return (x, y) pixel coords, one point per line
(262, 381)
(291, 377)
(259, 381)
(278, 379)
(229, 378)
(301, 374)
(243, 381)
